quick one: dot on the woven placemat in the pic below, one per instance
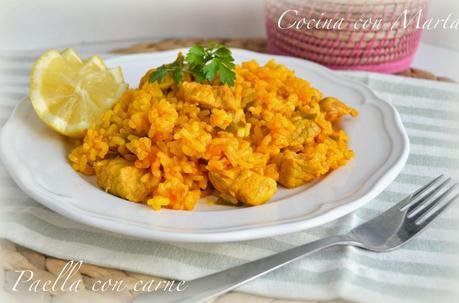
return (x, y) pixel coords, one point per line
(254, 44)
(15, 258)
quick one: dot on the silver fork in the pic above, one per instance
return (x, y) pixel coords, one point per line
(386, 232)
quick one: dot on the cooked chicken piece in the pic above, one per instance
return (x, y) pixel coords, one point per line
(247, 187)
(294, 169)
(121, 178)
(305, 131)
(335, 109)
(200, 93)
(225, 96)
(210, 96)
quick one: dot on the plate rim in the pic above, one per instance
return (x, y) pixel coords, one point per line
(135, 230)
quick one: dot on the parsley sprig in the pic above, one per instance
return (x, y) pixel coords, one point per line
(201, 63)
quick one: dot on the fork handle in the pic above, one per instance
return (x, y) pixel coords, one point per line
(212, 285)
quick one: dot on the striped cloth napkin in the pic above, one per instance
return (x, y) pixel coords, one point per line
(426, 269)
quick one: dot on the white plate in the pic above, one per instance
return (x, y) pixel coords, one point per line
(36, 158)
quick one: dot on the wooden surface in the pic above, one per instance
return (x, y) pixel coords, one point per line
(14, 257)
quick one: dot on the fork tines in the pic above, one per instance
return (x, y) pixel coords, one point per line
(420, 205)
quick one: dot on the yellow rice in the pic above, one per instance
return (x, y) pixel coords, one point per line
(177, 143)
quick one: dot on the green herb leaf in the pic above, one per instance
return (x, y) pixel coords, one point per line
(210, 70)
(224, 53)
(176, 68)
(201, 63)
(195, 55)
(227, 75)
(211, 44)
(158, 75)
(199, 74)
(177, 75)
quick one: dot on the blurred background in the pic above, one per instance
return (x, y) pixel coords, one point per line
(38, 24)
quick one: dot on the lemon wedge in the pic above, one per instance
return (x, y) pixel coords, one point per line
(70, 94)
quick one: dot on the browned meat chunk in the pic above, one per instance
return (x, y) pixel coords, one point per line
(247, 187)
(335, 109)
(121, 178)
(294, 170)
(210, 96)
(305, 131)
